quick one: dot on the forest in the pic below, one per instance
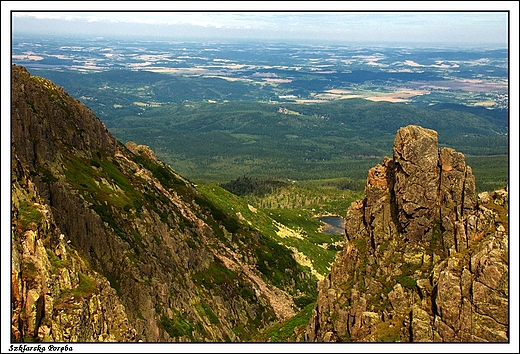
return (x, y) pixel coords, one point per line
(210, 129)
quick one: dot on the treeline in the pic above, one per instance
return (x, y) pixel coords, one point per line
(322, 197)
(247, 186)
(244, 137)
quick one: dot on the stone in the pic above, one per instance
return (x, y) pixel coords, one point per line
(435, 248)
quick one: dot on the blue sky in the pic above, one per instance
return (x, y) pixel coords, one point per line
(337, 23)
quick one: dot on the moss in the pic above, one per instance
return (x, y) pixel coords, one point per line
(56, 262)
(107, 216)
(406, 281)
(137, 236)
(177, 326)
(213, 319)
(436, 245)
(29, 271)
(247, 294)
(390, 331)
(48, 177)
(286, 331)
(29, 216)
(86, 286)
(216, 274)
(191, 244)
(360, 244)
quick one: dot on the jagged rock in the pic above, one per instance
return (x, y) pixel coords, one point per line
(110, 244)
(425, 259)
(416, 181)
(142, 150)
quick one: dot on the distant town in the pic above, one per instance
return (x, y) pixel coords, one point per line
(291, 72)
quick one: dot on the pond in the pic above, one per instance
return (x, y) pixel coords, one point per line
(334, 225)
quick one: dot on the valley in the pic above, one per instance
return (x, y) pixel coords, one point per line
(209, 169)
(217, 110)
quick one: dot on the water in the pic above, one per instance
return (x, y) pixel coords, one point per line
(335, 225)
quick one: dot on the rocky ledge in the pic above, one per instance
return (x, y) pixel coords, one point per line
(425, 260)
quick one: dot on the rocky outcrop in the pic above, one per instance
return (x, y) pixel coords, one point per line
(110, 244)
(425, 259)
(56, 296)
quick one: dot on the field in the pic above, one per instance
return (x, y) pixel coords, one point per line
(216, 111)
(277, 135)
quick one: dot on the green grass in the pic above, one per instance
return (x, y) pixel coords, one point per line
(209, 312)
(85, 288)
(286, 331)
(56, 262)
(265, 220)
(28, 216)
(215, 275)
(177, 326)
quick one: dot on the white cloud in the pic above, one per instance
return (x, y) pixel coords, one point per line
(370, 26)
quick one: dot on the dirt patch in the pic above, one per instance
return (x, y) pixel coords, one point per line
(282, 304)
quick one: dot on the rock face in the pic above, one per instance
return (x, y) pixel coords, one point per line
(110, 244)
(425, 259)
(56, 296)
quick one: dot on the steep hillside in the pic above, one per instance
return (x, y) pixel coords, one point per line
(110, 244)
(425, 258)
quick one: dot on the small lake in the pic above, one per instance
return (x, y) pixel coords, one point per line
(335, 225)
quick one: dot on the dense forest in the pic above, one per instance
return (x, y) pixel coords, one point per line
(209, 129)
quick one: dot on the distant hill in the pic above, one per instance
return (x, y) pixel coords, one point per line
(215, 129)
(337, 139)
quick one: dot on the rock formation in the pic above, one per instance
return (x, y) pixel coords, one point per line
(110, 244)
(425, 259)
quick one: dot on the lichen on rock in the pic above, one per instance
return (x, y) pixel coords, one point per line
(425, 260)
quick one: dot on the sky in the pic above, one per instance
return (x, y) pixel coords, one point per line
(327, 22)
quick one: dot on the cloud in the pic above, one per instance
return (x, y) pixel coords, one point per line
(313, 25)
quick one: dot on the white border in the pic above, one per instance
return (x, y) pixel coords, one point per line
(512, 347)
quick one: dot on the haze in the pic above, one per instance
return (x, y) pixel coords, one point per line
(402, 28)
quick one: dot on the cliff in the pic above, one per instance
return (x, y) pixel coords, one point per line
(110, 244)
(425, 260)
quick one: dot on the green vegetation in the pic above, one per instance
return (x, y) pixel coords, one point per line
(491, 172)
(213, 319)
(322, 197)
(56, 262)
(29, 216)
(219, 142)
(177, 326)
(210, 129)
(217, 274)
(406, 281)
(288, 330)
(301, 227)
(85, 287)
(29, 272)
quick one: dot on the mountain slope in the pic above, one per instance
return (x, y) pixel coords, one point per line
(425, 259)
(110, 244)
